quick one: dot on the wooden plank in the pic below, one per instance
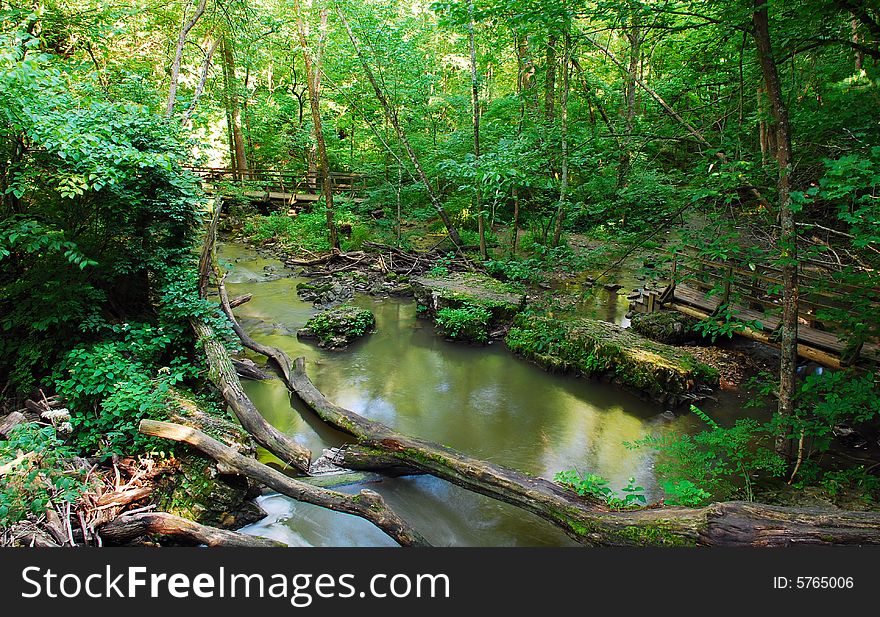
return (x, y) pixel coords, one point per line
(696, 298)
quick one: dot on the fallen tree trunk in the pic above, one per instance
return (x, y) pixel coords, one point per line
(222, 373)
(249, 370)
(367, 504)
(239, 300)
(10, 422)
(128, 527)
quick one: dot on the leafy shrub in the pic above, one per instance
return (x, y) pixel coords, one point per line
(112, 385)
(38, 473)
(719, 462)
(592, 485)
(441, 268)
(339, 326)
(516, 269)
(466, 323)
(684, 493)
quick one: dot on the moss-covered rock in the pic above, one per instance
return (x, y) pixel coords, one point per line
(465, 305)
(655, 370)
(670, 327)
(338, 326)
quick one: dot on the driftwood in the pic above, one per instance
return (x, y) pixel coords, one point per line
(222, 373)
(128, 527)
(367, 504)
(249, 370)
(239, 300)
(10, 422)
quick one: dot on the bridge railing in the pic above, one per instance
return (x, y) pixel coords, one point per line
(827, 302)
(284, 181)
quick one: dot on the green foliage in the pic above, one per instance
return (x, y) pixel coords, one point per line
(308, 230)
(684, 493)
(540, 337)
(833, 398)
(442, 265)
(103, 221)
(719, 462)
(112, 385)
(344, 322)
(522, 270)
(724, 323)
(837, 483)
(591, 485)
(39, 474)
(466, 323)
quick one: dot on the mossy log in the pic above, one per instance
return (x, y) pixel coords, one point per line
(129, 527)
(366, 504)
(661, 373)
(10, 422)
(670, 327)
(223, 374)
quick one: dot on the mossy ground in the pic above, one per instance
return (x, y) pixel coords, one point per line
(670, 327)
(658, 371)
(466, 305)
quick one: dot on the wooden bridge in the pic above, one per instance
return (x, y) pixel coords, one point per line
(751, 296)
(282, 188)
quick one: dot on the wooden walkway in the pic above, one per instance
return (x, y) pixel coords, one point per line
(751, 295)
(281, 188)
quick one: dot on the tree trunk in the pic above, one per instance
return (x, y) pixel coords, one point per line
(550, 80)
(313, 59)
(203, 78)
(128, 527)
(239, 160)
(10, 422)
(860, 55)
(475, 104)
(788, 232)
(563, 181)
(367, 504)
(391, 114)
(208, 255)
(185, 28)
(634, 35)
(222, 373)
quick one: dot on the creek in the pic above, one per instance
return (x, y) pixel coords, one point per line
(481, 400)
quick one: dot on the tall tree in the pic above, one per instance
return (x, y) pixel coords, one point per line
(391, 115)
(563, 179)
(475, 103)
(788, 230)
(185, 27)
(233, 112)
(313, 56)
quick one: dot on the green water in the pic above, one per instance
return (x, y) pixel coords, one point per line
(481, 400)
